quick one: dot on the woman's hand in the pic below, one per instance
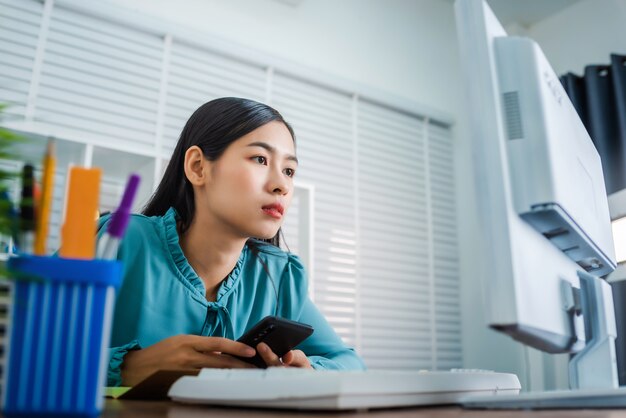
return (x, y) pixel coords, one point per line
(184, 352)
(294, 358)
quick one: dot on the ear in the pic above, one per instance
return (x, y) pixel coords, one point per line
(195, 166)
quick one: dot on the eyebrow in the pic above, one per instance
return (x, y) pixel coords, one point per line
(271, 150)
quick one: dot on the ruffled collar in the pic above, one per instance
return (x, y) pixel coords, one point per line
(188, 274)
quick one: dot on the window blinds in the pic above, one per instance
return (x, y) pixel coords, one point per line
(322, 121)
(444, 258)
(197, 76)
(393, 239)
(99, 79)
(19, 31)
(385, 263)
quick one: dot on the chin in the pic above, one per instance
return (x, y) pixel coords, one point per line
(265, 234)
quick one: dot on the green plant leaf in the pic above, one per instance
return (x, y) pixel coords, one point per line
(8, 138)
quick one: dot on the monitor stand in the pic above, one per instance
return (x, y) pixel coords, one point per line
(592, 371)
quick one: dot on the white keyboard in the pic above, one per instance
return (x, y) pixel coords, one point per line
(293, 388)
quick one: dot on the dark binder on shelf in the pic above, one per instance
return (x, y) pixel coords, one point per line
(603, 124)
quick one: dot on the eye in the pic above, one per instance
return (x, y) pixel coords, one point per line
(260, 159)
(290, 172)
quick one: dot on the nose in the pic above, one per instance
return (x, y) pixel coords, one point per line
(278, 182)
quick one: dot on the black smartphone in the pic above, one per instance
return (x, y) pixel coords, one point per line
(281, 335)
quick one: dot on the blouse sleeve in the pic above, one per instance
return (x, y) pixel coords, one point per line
(116, 358)
(324, 347)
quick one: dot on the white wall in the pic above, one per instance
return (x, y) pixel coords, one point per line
(583, 34)
(403, 47)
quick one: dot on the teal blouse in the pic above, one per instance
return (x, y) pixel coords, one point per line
(161, 296)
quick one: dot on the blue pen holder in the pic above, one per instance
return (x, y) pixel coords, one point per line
(59, 331)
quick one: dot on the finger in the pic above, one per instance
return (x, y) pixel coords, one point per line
(289, 359)
(238, 363)
(296, 358)
(270, 358)
(221, 345)
(200, 360)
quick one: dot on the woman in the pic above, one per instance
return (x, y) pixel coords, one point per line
(202, 264)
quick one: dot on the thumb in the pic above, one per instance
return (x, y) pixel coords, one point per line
(288, 358)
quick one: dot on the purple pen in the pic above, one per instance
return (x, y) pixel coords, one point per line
(110, 241)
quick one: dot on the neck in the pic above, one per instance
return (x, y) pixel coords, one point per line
(214, 254)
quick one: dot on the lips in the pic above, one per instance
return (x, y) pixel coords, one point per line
(275, 210)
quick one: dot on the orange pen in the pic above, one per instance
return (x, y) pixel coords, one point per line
(78, 233)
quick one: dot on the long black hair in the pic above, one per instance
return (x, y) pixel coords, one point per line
(212, 127)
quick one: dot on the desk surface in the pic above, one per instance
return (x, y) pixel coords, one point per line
(158, 409)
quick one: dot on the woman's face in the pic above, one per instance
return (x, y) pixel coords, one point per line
(250, 186)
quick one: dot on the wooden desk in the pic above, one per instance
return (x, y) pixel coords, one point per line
(164, 409)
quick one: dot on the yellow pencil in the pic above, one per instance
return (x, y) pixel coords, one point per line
(43, 214)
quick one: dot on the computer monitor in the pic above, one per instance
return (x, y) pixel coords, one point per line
(542, 205)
